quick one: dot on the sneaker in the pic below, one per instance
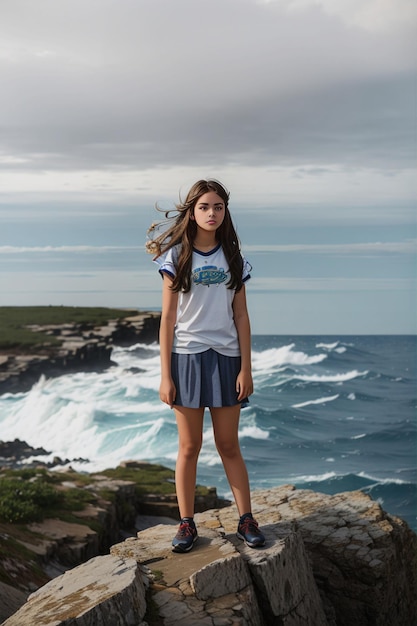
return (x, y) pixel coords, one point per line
(185, 537)
(248, 531)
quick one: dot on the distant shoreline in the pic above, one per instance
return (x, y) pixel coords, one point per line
(52, 341)
(24, 327)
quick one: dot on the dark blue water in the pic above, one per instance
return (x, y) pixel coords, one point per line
(340, 413)
(328, 413)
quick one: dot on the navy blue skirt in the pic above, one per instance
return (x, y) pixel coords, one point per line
(206, 379)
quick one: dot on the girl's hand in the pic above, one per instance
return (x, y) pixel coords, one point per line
(244, 384)
(167, 391)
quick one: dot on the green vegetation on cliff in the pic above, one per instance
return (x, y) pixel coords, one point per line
(30, 495)
(15, 320)
(34, 494)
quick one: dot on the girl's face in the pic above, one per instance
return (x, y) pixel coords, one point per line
(209, 211)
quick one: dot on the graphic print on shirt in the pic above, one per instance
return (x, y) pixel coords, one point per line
(209, 275)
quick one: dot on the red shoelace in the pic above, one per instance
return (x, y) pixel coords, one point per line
(185, 530)
(249, 525)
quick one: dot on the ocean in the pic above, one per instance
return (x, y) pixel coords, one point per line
(329, 413)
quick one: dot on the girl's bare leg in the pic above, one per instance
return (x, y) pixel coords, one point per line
(225, 424)
(190, 437)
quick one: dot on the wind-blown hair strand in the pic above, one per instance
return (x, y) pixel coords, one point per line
(181, 229)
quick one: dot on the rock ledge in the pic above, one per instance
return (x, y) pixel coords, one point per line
(81, 347)
(329, 561)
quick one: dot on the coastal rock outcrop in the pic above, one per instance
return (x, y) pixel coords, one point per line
(101, 510)
(329, 561)
(104, 591)
(81, 347)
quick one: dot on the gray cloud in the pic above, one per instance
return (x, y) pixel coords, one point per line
(148, 84)
(368, 248)
(343, 284)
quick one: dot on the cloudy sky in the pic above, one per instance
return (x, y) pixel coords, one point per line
(305, 109)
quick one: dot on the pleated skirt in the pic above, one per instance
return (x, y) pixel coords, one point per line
(206, 379)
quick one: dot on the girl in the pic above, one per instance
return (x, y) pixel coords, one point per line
(205, 345)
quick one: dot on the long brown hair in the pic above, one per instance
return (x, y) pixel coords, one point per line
(182, 230)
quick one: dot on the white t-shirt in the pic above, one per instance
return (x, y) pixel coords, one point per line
(205, 314)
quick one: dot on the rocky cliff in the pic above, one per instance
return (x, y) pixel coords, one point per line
(80, 518)
(79, 347)
(329, 561)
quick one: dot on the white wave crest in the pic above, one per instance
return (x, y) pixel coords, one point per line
(253, 432)
(383, 481)
(279, 357)
(327, 346)
(331, 378)
(105, 418)
(332, 346)
(318, 401)
(146, 347)
(329, 475)
(314, 477)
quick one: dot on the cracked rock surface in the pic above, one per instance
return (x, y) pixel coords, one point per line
(328, 561)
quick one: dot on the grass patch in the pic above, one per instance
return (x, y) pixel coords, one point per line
(15, 319)
(152, 479)
(30, 496)
(155, 479)
(23, 501)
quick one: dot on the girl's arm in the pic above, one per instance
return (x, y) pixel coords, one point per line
(244, 382)
(167, 389)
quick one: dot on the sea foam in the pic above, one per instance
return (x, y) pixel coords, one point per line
(363, 426)
(318, 401)
(270, 360)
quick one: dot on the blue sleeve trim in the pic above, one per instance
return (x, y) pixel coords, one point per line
(170, 274)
